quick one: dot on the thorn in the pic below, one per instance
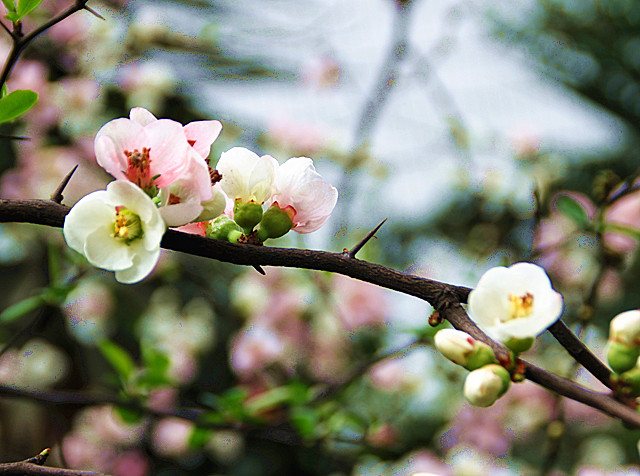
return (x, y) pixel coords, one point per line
(358, 247)
(9, 137)
(57, 195)
(93, 12)
(259, 269)
(39, 459)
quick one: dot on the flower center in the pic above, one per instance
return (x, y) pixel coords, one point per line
(139, 167)
(127, 226)
(520, 306)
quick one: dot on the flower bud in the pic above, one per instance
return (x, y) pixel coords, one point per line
(485, 385)
(625, 328)
(224, 228)
(274, 224)
(247, 215)
(462, 349)
(622, 357)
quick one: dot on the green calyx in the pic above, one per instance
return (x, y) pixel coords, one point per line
(482, 355)
(127, 226)
(622, 357)
(247, 215)
(224, 228)
(274, 224)
(518, 346)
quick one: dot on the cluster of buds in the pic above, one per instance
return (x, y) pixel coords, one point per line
(487, 381)
(623, 351)
(164, 179)
(512, 305)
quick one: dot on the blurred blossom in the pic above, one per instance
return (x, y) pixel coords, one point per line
(37, 364)
(83, 452)
(626, 212)
(131, 463)
(421, 461)
(321, 72)
(471, 462)
(109, 427)
(163, 398)
(359, 304)
(226, 445)
(147, 84)
(295, 138)
(170, 437)
(87, 310)
(390, 375)
(253, 349)
(383, 435)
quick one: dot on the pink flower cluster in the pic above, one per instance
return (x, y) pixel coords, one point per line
(163, 178)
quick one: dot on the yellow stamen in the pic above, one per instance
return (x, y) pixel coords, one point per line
(520, 306)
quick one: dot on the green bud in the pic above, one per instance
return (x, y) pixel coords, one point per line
(518, 346)
(622, 357)
(247, 215)
(274, 224)
(224, 228)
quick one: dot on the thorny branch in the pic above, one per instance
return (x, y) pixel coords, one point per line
(444, 297)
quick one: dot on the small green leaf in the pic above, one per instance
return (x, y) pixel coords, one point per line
(623, 229)
(10, 5)
(119, 359)
(572, 209)
(305, 420)
(199, 437)
(16, 103)
(21, 309)
(129, 415)
(27, 6)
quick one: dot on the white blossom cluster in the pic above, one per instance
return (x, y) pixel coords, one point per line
(163, 179)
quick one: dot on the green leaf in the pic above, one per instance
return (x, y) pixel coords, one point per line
(21, 309)
(10, 5)
(623, 229)
(572, 209)
(119, 359)
(4, 90)
(199, 437)
(305, 420)
(129, 415)
(16, 103)
(156, 366)
(27, 6)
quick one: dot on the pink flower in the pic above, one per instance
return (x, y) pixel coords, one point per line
(153, 154)
(302, 191)
(253, 349)
(625, 212)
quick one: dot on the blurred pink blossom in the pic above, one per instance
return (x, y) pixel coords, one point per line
(170, 436)
(254, 348)
(359, 304)
(132, 462)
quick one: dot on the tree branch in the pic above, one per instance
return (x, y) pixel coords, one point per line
(444, 297)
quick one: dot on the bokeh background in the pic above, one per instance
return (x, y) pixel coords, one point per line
(487, 132)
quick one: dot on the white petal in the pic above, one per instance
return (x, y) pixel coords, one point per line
(104, 251)
(141, 116)
(236, 165)
(88, 214)
(143, 264)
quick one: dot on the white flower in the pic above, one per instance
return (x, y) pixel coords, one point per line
(515, 302)
(485, 385)
(245, 176)
(118, 229)
(302, 190)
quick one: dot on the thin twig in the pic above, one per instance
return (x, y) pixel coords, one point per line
(358, 247)
(20, 42)
(57, 195)
(33, 466)
(10, 137)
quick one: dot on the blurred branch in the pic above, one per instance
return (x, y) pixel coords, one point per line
(445, 298)
(20, 42)
(33, 466)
